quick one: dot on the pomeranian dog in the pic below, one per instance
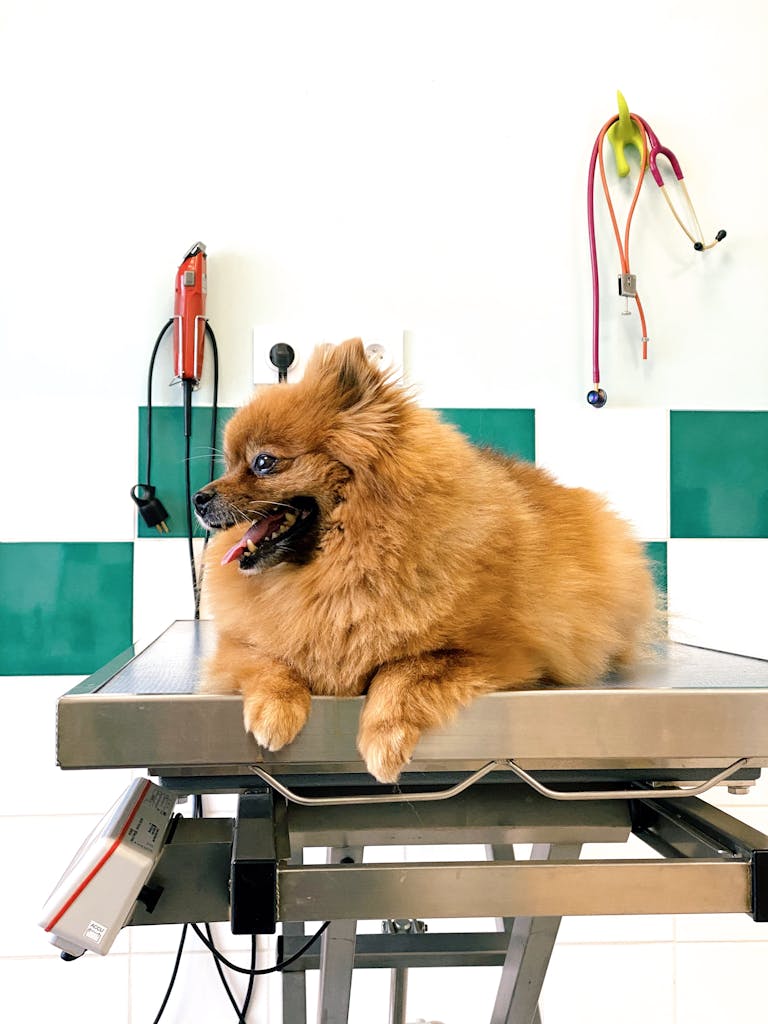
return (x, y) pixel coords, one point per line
(364, 546)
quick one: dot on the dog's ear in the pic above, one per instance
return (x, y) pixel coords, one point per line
(346, 371)
(366, 406)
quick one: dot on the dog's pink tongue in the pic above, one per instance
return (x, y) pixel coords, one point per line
(256, 533)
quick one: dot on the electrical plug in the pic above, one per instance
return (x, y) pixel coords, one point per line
(151, 509)
(282, 357)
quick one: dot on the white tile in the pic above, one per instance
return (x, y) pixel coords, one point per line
(197, 994)
(89, 454)
(720, 981)
(162, 585)
(36, 851)
(369, 999)
(716, 593)
(617, 928)
(620, 453)
(92, 988)
(609, 983)
(452, 996)
(28, 741)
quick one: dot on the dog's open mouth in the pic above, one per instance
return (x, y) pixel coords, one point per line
(278, 526)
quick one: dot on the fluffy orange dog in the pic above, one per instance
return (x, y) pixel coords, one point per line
(367, 547)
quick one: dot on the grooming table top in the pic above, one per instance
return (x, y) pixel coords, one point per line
(691, 708)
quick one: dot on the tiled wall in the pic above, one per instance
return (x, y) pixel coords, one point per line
(694, 484)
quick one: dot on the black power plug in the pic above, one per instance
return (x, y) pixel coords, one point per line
(282, 357)
(151, 509)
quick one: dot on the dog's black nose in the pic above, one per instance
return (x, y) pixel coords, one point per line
(202, 500)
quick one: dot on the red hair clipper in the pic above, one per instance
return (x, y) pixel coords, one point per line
(189, 315)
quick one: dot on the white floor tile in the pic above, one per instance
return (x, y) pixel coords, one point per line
(451, 996)
(28, 741)
(621, 453)
(716, 594)
(100, 436)
(610, 983)
(720, 981)
(369, 1000)
(93, 988)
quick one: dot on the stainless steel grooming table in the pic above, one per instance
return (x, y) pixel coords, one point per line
(555, 768)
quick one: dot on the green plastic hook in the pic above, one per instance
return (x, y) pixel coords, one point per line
(624, 133)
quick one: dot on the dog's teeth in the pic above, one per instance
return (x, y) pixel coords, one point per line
(251, 546)
(290, 519)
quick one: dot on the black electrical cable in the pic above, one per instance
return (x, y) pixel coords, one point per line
(197, 578)
(264, 970)
(251, 980)
(172, 982)
(152, 358)
(187, 386)
(212, 472)
(195, 583)
(241, 1013)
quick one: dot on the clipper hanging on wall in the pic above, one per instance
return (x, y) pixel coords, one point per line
(626, 129)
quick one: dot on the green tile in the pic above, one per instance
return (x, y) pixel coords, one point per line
(657, 554)
(168, 459)
(719, 474)
(508, 430)
(65, 609)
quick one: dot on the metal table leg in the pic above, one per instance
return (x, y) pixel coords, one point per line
(294, 982)
(398, 994)
(504, 851)
(337, 954)
(532, 940)
(398, 976)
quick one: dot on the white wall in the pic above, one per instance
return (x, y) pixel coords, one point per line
(416, 163)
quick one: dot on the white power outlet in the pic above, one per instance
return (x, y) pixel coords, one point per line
(384, 346)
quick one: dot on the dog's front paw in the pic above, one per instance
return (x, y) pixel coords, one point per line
(387, 748)
(275, 721)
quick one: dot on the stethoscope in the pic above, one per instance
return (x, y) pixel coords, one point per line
(622, 130)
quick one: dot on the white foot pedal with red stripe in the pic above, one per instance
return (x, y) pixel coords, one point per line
(97, 892)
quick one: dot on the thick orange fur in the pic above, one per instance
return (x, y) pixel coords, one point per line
(442, 571)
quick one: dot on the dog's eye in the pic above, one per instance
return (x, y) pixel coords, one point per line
(264, 463)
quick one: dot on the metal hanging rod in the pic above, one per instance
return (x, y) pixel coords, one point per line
(635, 793)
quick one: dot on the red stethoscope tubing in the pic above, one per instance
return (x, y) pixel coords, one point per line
(652, 150)
(597, 156)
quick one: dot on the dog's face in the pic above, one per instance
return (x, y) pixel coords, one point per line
(291, 455)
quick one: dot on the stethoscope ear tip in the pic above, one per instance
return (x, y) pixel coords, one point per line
(700, 247)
